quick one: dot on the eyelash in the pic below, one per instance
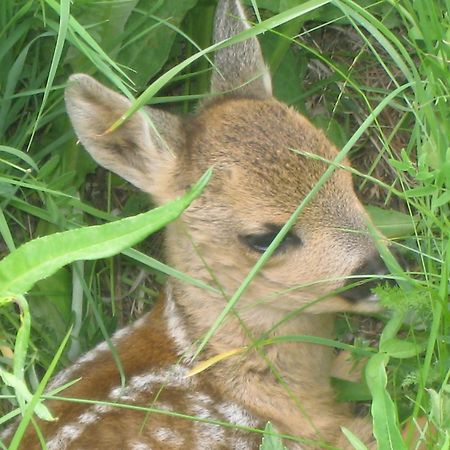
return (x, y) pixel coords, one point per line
(260, 242)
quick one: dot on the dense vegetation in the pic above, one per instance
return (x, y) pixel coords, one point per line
(373, 70)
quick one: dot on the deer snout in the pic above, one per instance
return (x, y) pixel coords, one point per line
(367, 276)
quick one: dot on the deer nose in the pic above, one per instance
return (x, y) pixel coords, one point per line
(367, 276)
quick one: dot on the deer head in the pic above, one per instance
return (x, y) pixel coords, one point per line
(255, 144)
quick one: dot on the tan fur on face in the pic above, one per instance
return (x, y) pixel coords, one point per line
(259, 179)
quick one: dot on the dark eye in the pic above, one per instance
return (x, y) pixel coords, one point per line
(260, 241)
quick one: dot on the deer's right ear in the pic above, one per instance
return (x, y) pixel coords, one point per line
(136, 151)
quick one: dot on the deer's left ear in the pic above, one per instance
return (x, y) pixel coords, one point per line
(241, 70)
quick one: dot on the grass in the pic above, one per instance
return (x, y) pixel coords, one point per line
(382, 94)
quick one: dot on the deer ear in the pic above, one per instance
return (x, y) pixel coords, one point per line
(240, 68)
(137, 150)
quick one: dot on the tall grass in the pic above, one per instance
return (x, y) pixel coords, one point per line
(47, 183)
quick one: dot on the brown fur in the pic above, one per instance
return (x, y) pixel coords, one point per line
(259, 179)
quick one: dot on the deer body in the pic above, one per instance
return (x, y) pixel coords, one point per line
(228, 399)
(253, 143)
(156, 378)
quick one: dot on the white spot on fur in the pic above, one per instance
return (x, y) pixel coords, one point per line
(103, 409)
(67, 374)
(174, 376)
(163, 406)
(87, 418)
(64, 437)
(202, 398)
(234, 414)
(139, 446)
(69, 432)
(121, 334)
(176, 328)
(63, 377)
(122, 393)
(168, 436)
(200, 406)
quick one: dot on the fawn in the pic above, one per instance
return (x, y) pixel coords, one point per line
(258, 180)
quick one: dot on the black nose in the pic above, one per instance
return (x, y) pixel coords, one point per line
(365, 278)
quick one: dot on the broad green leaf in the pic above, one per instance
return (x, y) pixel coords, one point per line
(384, 414)
(270, 440)
(441, 200)
(42, 257)
(392, 327)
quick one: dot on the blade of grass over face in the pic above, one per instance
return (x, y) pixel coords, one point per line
(164, 268)
(315, 340)
(285, 229)
(40, 258)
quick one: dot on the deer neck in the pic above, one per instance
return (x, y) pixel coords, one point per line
(191, 312)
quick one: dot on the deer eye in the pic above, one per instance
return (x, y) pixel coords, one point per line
(260, 241)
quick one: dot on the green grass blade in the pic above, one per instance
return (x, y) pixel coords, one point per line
(19, 154)
(15, 442)
(16, 380)
(354, 440)
(64, 15)
(164, 268)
